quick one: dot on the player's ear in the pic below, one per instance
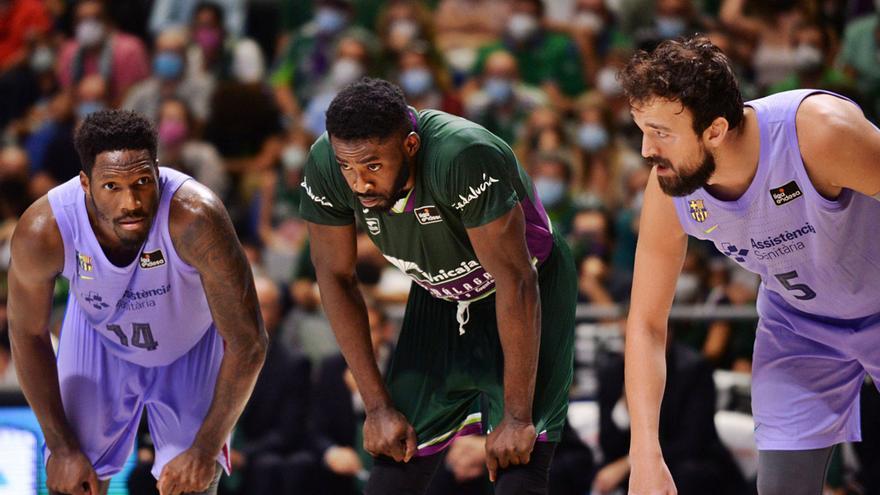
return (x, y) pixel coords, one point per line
(84, 181)
(411, 143)
(714, 135)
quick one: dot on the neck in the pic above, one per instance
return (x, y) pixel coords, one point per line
(736, 161)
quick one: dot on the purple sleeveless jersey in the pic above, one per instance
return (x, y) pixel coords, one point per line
(150, 312)
(820, 256)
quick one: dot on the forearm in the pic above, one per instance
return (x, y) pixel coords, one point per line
(518, 311)
(38, 376)
(345, 308)
(645, 378)
(235, 382)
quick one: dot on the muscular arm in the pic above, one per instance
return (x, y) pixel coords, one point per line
(333, 254)
(203, 236)
(37, 258)
(659, 257)
(500, 246)
(839, 146)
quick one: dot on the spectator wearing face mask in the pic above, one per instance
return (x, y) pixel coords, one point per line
(813, 69)
(170, 78)
(306, 63)
(97, 48)
(400, 24)
(502, 102)
(672, 18)
(551, 175)
(169, 13)
(602, 158)
(425, 81)
(353, 61)
(545, 59)
(594, 29)
(181, 149)
(28, 83)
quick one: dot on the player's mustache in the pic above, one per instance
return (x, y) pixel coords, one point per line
(656, 160)
(129, 218)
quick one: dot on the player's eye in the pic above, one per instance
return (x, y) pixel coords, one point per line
(374, 167)
(110, 186)
(660, 134)
(143, 181)
(344, 166)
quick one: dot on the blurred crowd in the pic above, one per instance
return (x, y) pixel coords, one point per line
(238, 90)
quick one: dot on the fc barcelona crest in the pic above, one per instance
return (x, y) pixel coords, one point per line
(84, 265)
(698, 211)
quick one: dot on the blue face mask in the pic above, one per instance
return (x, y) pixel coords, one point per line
(87, 108)
(499, 90)
(168, 65)
(330, 20)
(550, 191)
(416, 81)
(670, 27)
(592, 137)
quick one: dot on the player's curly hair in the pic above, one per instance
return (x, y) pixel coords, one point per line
(368, 109)
(692, 71)
(113, 130)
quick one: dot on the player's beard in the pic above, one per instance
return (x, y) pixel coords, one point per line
(397, 189)
(684, 183)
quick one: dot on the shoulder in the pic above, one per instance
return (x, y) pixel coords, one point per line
(36, 241)
(195, 211)
(823, 119)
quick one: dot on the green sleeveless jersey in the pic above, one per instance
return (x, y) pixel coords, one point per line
(465, 177)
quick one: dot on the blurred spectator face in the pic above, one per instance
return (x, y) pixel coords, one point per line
(91, 25)
(590, 15)
(809, 53)
(208, 30)
(403, 26)
(670, 144)
(42, 58)
(173, 126)
(269, 299)
(168, 63)
(416, 78)
(331, 17)
(551, 178)
(592, 135)
(589, 233)
(524, 21)
(91, 95)
(248, 66)
(350, 65)
(499, 76)
(671, 20)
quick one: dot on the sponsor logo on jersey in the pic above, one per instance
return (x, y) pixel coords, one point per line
(463, 282)
(133, 300)
(475, 192)
(784, 243)
(95, 300)
(152, 259)
(731, 251)
(373, 225)
(698, 210)
(84, 265)
(786, 193)
(321, 200)
(428, 214)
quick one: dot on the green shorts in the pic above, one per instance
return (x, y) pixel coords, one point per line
(449, 384)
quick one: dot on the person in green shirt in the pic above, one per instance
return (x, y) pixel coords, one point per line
(491, 312)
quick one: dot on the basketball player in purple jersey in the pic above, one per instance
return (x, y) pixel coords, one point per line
(162, 315)
(787, 186)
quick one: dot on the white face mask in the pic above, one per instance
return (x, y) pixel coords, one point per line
(591, 21)
(606, 81)
(90, 33)
(402, 32)
(522, 26)
(807, 58)
(42, 59)
(345, 71)
(293, 157)
(247, 63)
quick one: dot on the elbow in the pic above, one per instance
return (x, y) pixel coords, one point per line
(252, 353)
(522, 282)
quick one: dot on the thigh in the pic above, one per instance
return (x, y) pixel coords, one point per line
(530, 479)
(805, 390)
(792, 472)
(179, 398)
(434, 373)
(402, 478)
(101, 395)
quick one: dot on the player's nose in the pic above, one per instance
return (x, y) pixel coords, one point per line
(648, 148)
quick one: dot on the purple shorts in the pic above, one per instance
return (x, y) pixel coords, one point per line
(806, 376)
(103, 397)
